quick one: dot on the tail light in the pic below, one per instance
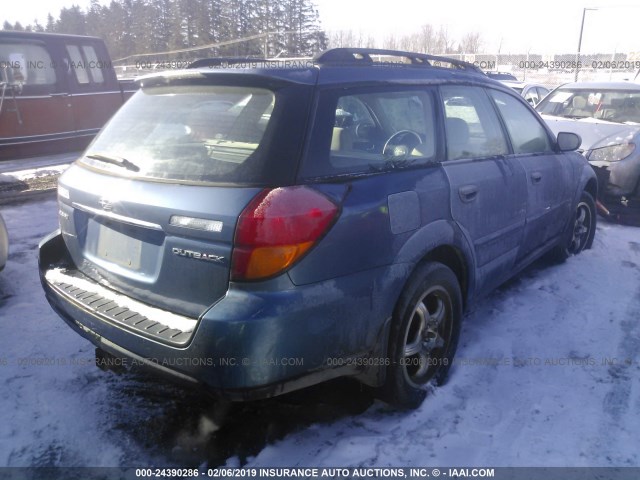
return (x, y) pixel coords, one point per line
(277, 228)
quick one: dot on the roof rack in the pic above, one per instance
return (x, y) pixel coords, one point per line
(363, 56)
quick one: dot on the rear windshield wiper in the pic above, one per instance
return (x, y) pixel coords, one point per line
(120, 161)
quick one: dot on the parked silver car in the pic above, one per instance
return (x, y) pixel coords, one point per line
(607, 117)
(4, 243)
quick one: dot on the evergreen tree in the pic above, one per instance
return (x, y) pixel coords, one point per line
(251, 27)
(96, 21)
(37, 27)
(51, 24)
(72, 20)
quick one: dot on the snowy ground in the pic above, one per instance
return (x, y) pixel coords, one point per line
(547, 374)
(19, 168)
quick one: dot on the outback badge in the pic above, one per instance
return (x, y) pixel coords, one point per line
(209, 257)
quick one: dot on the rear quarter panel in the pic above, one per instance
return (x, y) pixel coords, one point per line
(362, 238)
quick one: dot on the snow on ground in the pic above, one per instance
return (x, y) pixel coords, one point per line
(46, 415)
(547, 374)
(24, 168)
(560, 385)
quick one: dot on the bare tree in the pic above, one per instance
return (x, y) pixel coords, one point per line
(409, 42)
(470, 43)
(390, 42)
(444, 43)
(426, 39)
(341, 38)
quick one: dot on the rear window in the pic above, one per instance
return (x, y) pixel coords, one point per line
(195, 133)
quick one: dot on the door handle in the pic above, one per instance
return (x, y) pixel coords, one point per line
(536, 177)
(468, 193)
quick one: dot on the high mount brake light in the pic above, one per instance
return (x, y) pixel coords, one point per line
(277, 228)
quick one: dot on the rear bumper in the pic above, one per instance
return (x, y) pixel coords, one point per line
(255, 342)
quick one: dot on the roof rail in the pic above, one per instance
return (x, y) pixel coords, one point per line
(363, 56)
(223, 61)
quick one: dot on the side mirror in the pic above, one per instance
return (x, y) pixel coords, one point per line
(569, 141)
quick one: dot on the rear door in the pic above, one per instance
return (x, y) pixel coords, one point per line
(548, 174)
(34, 96)
(488, 191)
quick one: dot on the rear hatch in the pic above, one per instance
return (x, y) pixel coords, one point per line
(151, 208)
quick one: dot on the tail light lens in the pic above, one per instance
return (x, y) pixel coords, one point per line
(277, 228)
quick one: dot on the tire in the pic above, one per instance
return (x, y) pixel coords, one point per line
(424, 335)
(580, 231)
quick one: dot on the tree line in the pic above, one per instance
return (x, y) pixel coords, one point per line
(243, 28)
(428, 39)
(286, 28)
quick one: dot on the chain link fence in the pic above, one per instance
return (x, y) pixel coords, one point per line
(547, 70)
(557, 69)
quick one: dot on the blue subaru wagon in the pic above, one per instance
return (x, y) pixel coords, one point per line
(258, 227)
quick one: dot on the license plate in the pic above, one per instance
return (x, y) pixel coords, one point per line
(118, 248)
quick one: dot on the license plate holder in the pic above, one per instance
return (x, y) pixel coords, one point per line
(119, 248)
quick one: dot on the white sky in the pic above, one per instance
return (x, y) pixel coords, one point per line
(542, 26)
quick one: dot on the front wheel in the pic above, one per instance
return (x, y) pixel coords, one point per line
(424, 334)
(581, 229)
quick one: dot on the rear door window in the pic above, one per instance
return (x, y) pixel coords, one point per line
(93, 64)
(77, 65)
(371, 130)
(85, 66)
(471, 124)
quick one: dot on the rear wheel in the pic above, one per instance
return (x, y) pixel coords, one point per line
(424, 335)
(581, 230)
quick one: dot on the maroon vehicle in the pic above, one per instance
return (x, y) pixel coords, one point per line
(56, 92)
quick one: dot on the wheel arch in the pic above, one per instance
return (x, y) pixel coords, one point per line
(442, 242)
(591, 187)
(454, 259)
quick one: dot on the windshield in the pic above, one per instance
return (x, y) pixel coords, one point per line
(187, 132)
(621, 106)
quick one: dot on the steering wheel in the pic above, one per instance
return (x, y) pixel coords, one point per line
(364, 129)
(407, 139)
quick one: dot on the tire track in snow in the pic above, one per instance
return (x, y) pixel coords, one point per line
(623, 376)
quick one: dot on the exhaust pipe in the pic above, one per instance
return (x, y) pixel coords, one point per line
(602, 209)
